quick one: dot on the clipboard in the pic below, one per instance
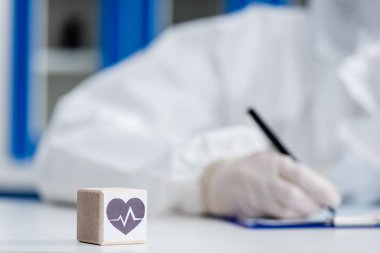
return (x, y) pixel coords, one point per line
(345, 219)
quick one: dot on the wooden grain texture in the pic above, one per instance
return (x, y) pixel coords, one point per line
(90, 216)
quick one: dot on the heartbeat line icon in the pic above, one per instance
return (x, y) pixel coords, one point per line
(129, 213)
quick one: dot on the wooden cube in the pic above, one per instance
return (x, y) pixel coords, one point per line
(111, 215)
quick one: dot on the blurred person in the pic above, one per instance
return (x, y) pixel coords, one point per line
(172, 118)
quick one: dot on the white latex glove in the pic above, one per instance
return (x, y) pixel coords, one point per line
(265, 185)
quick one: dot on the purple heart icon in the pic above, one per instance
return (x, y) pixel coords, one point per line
(125, 216)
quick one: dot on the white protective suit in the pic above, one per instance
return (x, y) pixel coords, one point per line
(156, 120)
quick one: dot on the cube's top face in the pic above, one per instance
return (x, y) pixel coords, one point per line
(125, 215)
(112, 190)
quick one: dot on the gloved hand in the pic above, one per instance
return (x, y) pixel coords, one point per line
(265, 185)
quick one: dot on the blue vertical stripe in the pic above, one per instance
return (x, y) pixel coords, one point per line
(132, 34)
(125, 27)
(108, 31)
(234, 5)
(152, 19)
(21, 145)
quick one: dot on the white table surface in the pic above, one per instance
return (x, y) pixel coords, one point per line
(27, 226)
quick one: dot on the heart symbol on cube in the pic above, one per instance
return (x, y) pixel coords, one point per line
(125, 216)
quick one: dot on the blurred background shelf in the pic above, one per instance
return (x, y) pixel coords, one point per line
(57, 61)
(81, 37)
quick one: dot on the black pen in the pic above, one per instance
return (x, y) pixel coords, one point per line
(269, 134)
(277, 144)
